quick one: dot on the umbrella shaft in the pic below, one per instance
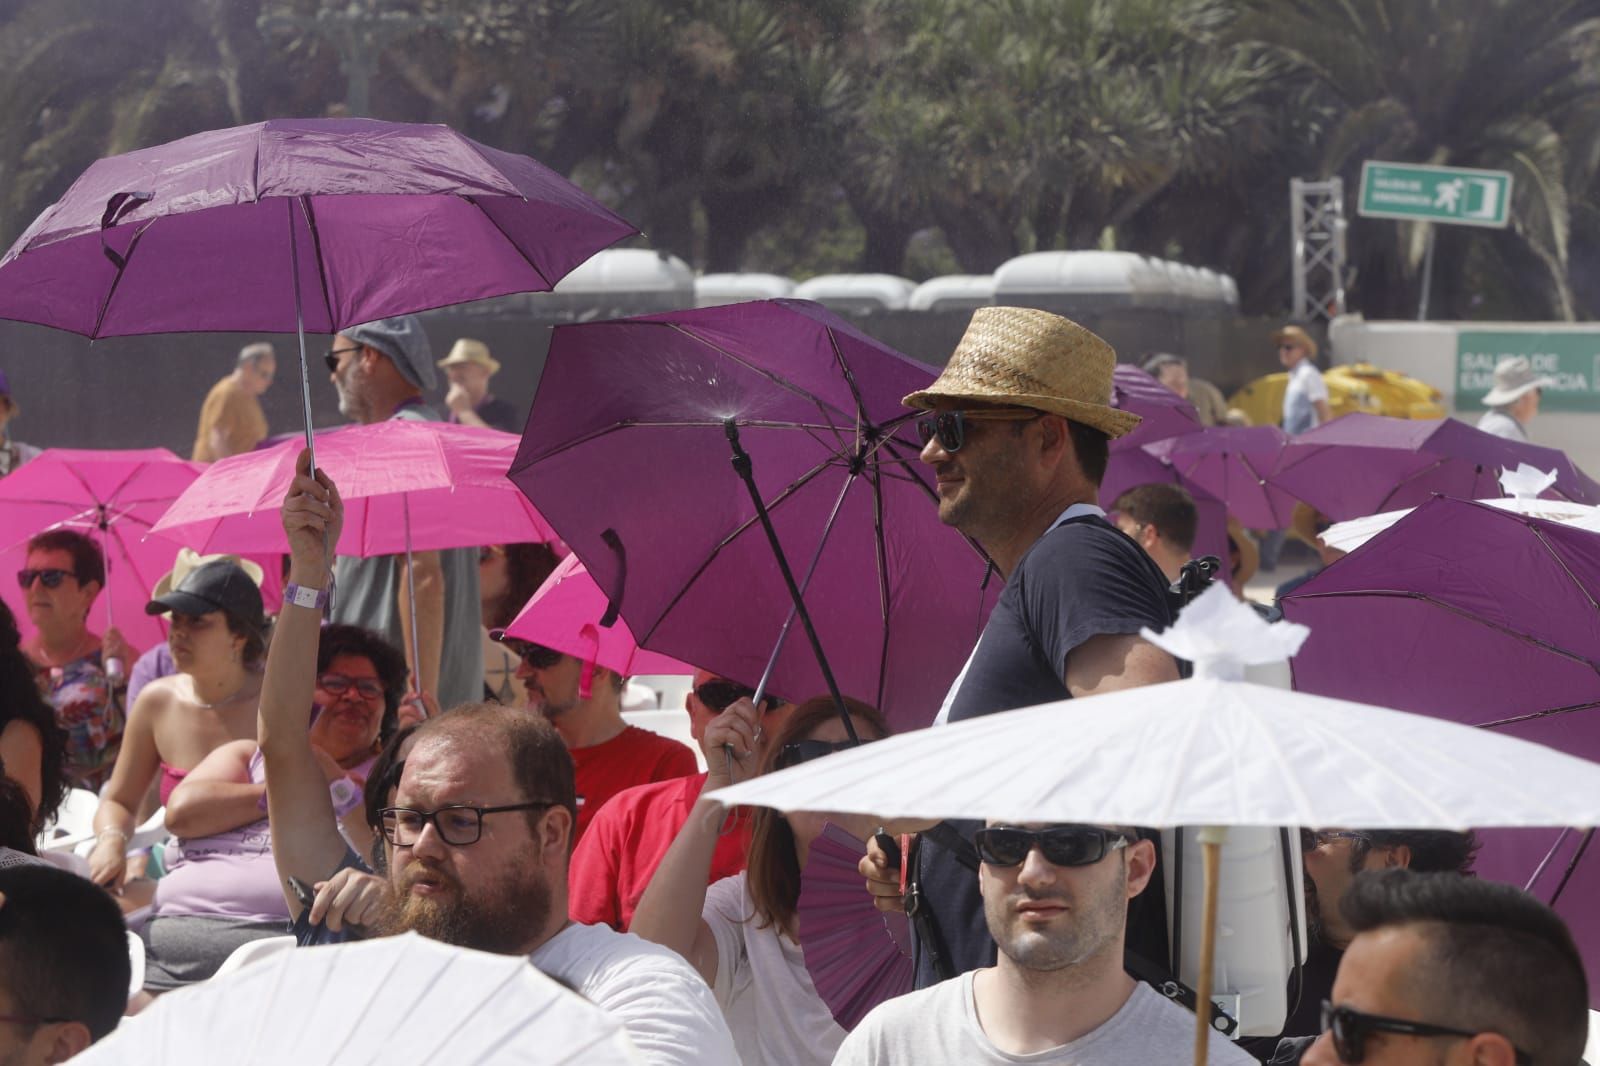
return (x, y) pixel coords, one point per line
(1211, 856)
(411, 597)
(300, 332)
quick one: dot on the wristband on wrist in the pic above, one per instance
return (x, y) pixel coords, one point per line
(301, 596)
(111, 829)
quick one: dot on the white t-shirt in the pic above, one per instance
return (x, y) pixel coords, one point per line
(938, 1026)
(763, 986)
(670, 1013)
(1305, 388)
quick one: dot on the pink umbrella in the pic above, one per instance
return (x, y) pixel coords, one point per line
(114, 497)
(569, 613)
(421, 486)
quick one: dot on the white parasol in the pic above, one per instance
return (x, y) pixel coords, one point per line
(397, 1001)
(1211, 751)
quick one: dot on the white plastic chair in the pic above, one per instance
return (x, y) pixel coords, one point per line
(254, 951)
(74, 822)
(135, 966)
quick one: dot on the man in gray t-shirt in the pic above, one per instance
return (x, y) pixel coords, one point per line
(380, 369)
(1056, 901)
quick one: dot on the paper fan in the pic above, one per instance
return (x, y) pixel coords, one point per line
(857, 956)
(397, 1001)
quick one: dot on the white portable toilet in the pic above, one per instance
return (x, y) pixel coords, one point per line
(953, 292)
(620, 281)
(1081, 282)
(712, 290)
(860, 293)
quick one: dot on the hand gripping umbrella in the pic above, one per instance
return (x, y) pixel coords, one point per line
(399, 1001)
(1361, 464)
(297, 224)
(1191, 753)
(406, 486)
(627, 454)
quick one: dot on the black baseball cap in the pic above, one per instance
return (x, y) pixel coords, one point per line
(217, 586)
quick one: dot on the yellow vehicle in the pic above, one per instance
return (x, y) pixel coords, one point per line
(1357, 387)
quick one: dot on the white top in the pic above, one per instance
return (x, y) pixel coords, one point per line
(1305, 388)
(763, 986)
(670, 1013)
(1495, 420)
(939, 1025)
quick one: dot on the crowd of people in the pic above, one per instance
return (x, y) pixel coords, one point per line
(320, 781)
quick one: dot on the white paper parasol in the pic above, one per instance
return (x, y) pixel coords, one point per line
(398, 1001)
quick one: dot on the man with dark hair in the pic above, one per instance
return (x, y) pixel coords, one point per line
(1162, 519)
(1055, 898)
(1017, 433)
(380, 370)
(1333, 860)
(64, 970)
(1445, 969)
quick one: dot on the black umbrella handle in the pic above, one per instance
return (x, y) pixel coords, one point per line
(746, 471)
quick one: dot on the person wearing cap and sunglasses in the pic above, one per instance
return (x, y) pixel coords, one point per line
(1452, 971)
(1055, 899)
(741, 933)
(1017, 435)
(627, 838)
(381, 370)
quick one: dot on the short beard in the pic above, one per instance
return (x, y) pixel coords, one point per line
(506, 918)
(1095, 924)
(352, 404)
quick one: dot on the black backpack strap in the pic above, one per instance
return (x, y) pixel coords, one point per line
(1157, 977)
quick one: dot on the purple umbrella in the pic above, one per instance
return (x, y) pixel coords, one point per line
(1362, 464)
(1231, 463)
(627, 456)
(1165, 413)
(1485, 617)
(1127, 469)
(297, 224)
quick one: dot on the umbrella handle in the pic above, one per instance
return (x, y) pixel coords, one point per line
(1211, 840)
(411, 597)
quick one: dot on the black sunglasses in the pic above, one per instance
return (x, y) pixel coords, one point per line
(951, 426)
(799, 751)
(1351, 1027)
(537, 656)
(1062, 845)
(718, 696)
(331, 357)
(51, 578)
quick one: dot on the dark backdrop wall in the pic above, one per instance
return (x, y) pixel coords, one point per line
(140, 392)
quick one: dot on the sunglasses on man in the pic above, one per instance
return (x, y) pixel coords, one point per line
(719, 695)
(537, 656)
(950, 427)
(1350, 1029)
(331, 357)
(51, 578)
(1062, 845)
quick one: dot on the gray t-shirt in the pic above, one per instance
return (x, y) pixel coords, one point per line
(938, 1025)
(369, 594)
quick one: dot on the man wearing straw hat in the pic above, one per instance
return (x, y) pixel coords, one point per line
(1018, 435)
(469, 366)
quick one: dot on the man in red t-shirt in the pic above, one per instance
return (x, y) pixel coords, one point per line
(615, 860)
(583, 700)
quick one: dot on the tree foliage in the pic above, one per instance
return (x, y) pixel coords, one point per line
(897, 135)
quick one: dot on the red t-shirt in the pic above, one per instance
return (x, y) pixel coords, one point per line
(633, 757)
(627, 841)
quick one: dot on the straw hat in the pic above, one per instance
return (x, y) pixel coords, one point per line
(1030, 358)
(1296, 335)
(467, 350)
(188, 559)
(1514, 378)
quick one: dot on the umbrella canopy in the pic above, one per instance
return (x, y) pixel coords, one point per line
(1361, 464)
(1468, 612)
(396, 1001)
(1231, 463)
(1164, 412)
(1204, 751)
(436, 484)
(1129, 468)
(366, 219)
(1348, 536)
(566, 614)
(115, 498)
(627, 455)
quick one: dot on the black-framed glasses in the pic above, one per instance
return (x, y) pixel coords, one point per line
(457, 824)
(951, 426)
(798, 751)
(720, 694)
(331, 357)
(1061, 845)
(338, 684)
(1350, 1029)
(52, 578)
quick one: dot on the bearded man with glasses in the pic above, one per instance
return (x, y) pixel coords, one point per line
(1018, 435)
(1055, 899)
